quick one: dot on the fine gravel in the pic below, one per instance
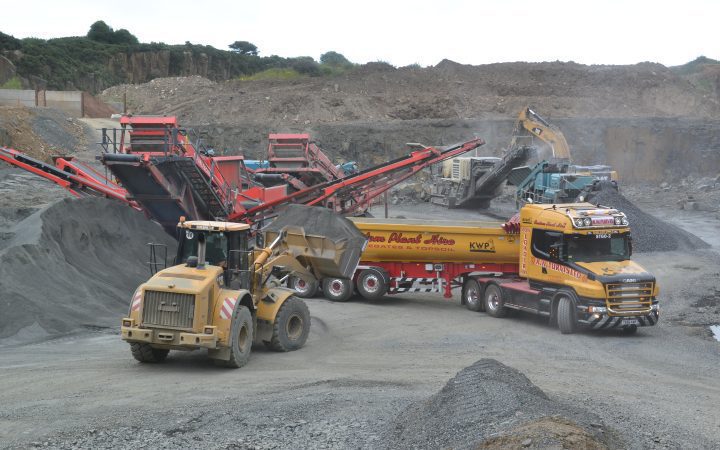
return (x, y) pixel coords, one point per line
(72, 264)
(650, 234)
(482, 401)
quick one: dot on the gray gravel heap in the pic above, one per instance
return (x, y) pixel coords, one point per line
(71, 265)
(649, 233)
(483, 400)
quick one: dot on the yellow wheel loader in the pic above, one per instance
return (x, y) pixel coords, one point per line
(223, 296)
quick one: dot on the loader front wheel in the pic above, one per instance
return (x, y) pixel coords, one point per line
(303, 288)
(146, 354)
(240, 340)
(337, 289)
(291, 327)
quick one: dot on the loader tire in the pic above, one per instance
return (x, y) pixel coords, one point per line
(302, 287)
(291, 327)
(372, 284)
(567, 320)
(146, 354)
(241, 339)
(337, 289)
(472, 296)
(494, 302)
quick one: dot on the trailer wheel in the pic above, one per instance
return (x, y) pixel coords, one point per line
(567, 321)
(337, 289)
(472, 296)
(302, 287)
(371, 284)
(240, 340)
(146, 354)
(291, 327)
(494, 303)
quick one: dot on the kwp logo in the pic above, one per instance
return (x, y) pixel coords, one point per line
(136, 301)
(483, 247)
(227, 308)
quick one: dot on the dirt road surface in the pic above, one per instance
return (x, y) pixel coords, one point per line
(364, 363)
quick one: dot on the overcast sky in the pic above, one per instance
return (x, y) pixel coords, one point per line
(402, 32)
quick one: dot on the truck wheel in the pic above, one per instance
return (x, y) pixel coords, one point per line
(337, 289)
(567, 321)
(302, 287)
(494, 303)
(146, 354)
(291, 327)
(240, 340)
(371, 284)
(472, 296)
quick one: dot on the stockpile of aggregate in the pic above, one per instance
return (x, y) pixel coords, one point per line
(649, 233)
(73, 264)
(489, 402)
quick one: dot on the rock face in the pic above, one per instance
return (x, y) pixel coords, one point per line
(144, 66)
(7, 69)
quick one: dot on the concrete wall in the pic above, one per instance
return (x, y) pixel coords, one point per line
(17, 97)
(72, 103)
(69, 102)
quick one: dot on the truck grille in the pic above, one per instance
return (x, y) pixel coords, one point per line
(629, 297)
(168, 309)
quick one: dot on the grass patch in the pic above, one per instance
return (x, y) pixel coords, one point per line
(12, 83)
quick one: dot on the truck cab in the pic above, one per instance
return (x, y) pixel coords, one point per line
(575, 259)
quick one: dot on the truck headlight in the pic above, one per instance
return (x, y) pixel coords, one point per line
(579, 223)
(625, 221)
(597, 309)
(587, 221)
(618, 220)
(655, 307)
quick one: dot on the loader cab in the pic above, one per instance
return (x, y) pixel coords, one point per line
(221, 244)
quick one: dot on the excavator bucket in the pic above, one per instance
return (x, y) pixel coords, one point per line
(328, 244)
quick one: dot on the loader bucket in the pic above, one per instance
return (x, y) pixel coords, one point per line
(329, 244)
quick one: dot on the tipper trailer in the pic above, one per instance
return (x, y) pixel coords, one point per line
(568, 262)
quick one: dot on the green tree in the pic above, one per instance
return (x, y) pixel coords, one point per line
(244, 48)
(101, 32)
(123, 36)
(332, 58)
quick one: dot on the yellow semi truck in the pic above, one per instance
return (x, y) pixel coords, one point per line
(570, 263)
(223, 296)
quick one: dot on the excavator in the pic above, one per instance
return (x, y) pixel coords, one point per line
(473, 181)
(555, 179)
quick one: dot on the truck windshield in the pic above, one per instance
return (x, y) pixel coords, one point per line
(215, 246)
(597, 247)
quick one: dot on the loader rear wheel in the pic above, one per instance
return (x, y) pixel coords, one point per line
(337, 289)
(146, 354)
(472, 296)
(567, 320)
(371, 284)
(291, 327)
(302, 287)
(240, 340)
(494, 302)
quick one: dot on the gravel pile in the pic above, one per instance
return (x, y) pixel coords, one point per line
(649, 233)
(75, 263)
(483, 401)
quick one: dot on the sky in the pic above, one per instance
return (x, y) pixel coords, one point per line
(401, 32)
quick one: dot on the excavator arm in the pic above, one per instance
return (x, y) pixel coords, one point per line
(530, 122)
